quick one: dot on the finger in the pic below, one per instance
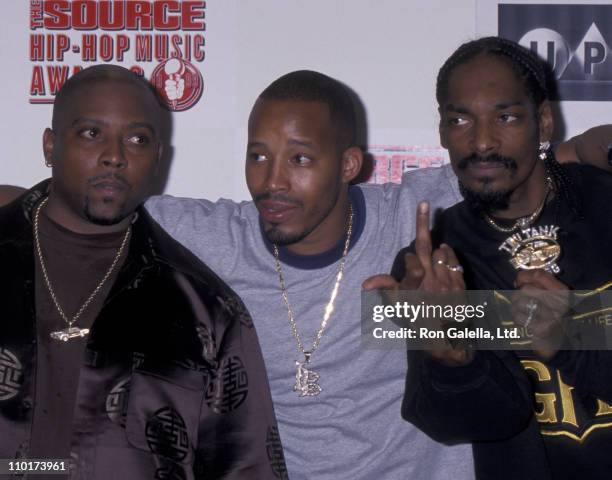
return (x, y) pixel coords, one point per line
(414, 273)
(441, 271)
(547, 281)
(380, 282)
(522, 298)
(439, 280)
(423, 237)
(456, 276)
(555, 296)
(523, 278)
(527, 278)
(540, 279)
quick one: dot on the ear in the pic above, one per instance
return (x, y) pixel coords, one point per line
(352, 160)
(441, 131)
(160, 154)
(48, 146)
(545, 121)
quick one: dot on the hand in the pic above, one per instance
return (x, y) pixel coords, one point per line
(426, 271)
(541, 306)
(380, 282)
(434, 271)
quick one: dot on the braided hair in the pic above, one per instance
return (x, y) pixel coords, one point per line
(535, 77)
(527, 66)
(562, 184)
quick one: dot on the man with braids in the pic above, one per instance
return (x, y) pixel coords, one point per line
(538, 414)
(120, 352)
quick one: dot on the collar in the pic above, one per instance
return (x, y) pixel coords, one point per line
(17, 217)
(324, 259)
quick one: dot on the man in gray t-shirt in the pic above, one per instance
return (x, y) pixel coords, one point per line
(337, 404)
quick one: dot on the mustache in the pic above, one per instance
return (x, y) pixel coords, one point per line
(277, 197)
(109, 176)
(474, 158)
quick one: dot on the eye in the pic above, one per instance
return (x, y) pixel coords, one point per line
(456, 121)
(507, 117)
(257, 157)
(89, 133)
(139, 140)
(301, 160)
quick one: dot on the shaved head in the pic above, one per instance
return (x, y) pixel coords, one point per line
(93, 75)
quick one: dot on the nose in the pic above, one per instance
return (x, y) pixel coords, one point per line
(484, 138)
(276, 177)
(113, 155)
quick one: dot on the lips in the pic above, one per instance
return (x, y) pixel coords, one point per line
(110, 188)
(274, 211)
(485, 168)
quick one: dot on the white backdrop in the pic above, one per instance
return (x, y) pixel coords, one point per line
(387, 51)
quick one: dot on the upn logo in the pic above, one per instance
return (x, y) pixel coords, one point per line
(589, 57)
(574, 39)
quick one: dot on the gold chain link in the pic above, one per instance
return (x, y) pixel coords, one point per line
(70, 322)
(523, 222)
(329, 308)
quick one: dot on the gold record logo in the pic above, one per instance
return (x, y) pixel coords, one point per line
(537, 252)
(534, 248)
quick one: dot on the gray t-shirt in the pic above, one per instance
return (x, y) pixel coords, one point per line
(353, 429)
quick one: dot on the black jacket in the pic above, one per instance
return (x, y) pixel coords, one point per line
(172, 383)
(491, 402)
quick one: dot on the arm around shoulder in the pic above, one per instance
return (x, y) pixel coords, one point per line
(593, 147)
(8, 193)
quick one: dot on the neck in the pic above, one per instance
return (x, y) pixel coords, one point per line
(60, 214)
(528, 196)
(328, 233)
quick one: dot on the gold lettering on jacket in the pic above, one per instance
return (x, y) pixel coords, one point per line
(558, 403)
(548, 413)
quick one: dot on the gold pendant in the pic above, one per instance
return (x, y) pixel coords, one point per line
(306, 381)
(534, 248)
(68, 333)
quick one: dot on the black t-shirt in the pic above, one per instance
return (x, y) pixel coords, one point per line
(576, 426)
(75, 264)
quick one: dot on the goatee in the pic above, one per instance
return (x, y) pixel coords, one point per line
(485, 201)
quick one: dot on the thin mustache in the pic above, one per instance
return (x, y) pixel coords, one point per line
(108, 176)
(277, 198)
(494, 158)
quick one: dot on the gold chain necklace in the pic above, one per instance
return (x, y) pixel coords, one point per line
(305, 378)
(523, 222)
(72, 332)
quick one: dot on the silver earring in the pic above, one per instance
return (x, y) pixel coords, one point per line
(543, 150)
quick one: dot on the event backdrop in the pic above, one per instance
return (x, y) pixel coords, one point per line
(210, 59)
